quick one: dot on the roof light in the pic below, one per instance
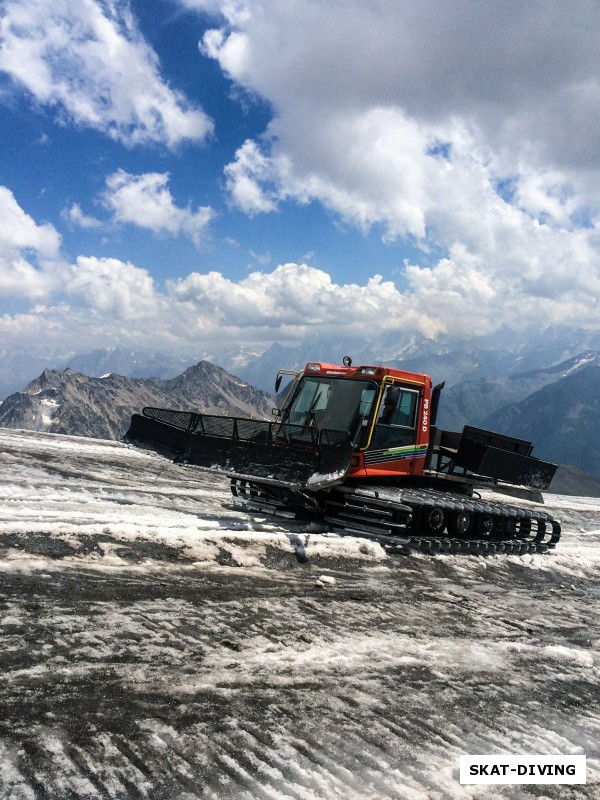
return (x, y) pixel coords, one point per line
(347, 361)
(313, 367)
(366, 370)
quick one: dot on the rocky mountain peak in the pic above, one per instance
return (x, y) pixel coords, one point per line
(199, 372)
(69, 402)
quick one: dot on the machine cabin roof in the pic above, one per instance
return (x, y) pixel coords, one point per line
(365, 372)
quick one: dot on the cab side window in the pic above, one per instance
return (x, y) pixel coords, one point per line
(399, 407)
(396, 423)
(406, 409)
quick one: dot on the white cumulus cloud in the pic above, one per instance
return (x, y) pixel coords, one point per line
(465, 128)
(292, 302)
(112, 288)
(28, 252)
(94, 301)
(76, 216)
(146, 201)
(88, 58)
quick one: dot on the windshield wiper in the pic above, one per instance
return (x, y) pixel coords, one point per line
(310, 414)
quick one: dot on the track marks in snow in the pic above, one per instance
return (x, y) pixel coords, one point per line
(157, 643)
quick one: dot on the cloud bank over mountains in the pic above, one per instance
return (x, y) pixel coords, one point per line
(468, 130)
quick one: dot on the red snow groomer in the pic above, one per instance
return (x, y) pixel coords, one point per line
(358, 448)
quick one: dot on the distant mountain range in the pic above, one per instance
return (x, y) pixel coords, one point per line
(18, 368)
(478, 401)
(72, 403)
(445, 358)
(555, 408)
(543, 389)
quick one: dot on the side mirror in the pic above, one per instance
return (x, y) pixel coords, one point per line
(278, 383)
(276, 412)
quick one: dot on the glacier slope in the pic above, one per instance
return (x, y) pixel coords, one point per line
(158, 642)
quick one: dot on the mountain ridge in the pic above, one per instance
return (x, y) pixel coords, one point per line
(101, 407)
(561, 419)
(445, 358)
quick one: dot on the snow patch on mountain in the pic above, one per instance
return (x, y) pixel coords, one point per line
(44, 417)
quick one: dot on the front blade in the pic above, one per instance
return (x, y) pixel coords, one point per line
(280, 464)
(283, 455)
(168, 440)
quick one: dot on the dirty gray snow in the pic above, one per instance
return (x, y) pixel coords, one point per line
(158, 642)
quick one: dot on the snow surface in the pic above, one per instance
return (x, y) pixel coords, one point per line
(159, 642)
(45, 414)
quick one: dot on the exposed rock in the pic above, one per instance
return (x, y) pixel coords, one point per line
(71, 403)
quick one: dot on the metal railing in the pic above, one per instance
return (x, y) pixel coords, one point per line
(244, 429)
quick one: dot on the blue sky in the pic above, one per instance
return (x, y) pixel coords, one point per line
(194, 175)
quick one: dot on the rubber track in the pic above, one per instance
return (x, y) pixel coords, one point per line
(393, 517)
(369, 512)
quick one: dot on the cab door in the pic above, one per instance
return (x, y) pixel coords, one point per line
(393, 447)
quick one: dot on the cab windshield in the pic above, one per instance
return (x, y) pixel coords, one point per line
(338, 404)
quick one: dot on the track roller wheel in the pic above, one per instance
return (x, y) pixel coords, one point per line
(459, 523)
(509, 527)
(434, 520)
(484, 524)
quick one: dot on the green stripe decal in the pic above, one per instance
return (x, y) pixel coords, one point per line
(407, 450)
(388, 454)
